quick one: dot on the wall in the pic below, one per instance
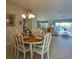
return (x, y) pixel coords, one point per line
(17, 11)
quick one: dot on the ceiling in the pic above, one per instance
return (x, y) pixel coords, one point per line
(48, 9)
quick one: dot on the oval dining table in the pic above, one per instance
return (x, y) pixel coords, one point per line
(31, 40)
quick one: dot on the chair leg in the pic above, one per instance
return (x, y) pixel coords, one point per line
(48, 53)
(42, 56)
(24, 55)
(17, 54)
(14, 50)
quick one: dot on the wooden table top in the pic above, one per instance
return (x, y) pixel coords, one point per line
(33, 39)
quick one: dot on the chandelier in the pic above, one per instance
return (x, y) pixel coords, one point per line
(27, 14)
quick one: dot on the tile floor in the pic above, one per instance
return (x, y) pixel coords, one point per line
(60, 48)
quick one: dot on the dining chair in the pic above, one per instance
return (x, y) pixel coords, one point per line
(42, 32)
(11, 37)
(21, 45)
(15, 33)
(39, 33)
(12, 40)
(43, 48)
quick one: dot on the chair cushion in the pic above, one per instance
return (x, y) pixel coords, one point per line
(38, 48)
(39, 45)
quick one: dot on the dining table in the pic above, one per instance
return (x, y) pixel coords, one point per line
(32, 40)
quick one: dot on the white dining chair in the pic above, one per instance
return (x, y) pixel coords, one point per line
(43, 48)
(21, 45)
(42, 32)
(15, 39)
(12, 41)
(11, 37)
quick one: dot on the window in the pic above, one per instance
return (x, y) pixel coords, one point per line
(42, 24)
(63, 27)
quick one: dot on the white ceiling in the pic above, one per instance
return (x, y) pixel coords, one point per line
(48, 9)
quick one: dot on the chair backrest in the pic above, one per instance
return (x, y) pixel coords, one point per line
(36, 31)
(13, 38)
(11, 35)
(20, 41)
(16, 31)
(47, 40)
(42, 33)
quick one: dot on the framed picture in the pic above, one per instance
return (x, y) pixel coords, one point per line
(10, 18)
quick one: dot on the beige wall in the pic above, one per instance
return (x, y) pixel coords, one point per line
(17, 11)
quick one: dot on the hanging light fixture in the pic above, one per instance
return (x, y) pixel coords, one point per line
(23, 16)
(31, 16)
(28, 13)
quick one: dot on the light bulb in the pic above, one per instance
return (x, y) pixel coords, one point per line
(31, 16)
(23, 16)
(7, 20)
